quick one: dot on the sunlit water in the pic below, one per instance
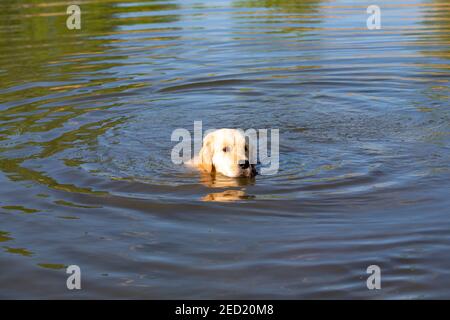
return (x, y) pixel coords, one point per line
(86, 177)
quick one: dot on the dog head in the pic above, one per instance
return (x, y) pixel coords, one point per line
(227, 152)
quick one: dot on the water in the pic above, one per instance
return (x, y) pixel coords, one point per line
(86, 178)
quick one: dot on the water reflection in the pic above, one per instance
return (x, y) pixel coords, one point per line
(20, 251)
(44, 110)
(287, 6)
(85, 125)
(436, 17)
(5, 236)
(227, 195)
(220, 181)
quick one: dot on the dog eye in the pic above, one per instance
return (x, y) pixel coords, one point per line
(226, 149)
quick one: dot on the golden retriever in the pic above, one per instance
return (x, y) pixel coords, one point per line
(225, 151)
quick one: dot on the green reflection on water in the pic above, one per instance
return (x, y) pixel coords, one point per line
(86, 134)
(74, 205)
(35, 34)
(20, 251)
(42, 63)
(294, 6)
(54, 62)
(20, 208)
(5, 236)
(53, 266)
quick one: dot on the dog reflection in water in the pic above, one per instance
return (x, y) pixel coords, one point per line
(229, 195)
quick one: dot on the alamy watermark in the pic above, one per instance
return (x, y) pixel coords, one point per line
(73, 22)
(374, 280)
(374, 20)
(74, 280)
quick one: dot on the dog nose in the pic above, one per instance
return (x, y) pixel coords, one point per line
(244, 164)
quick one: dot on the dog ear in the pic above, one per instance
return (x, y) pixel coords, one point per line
(206, 154)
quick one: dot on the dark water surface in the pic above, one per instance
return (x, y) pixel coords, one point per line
(86, 177)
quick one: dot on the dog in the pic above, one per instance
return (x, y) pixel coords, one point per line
(225, 151)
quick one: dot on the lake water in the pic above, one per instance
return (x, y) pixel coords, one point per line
(86, 177)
